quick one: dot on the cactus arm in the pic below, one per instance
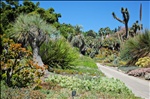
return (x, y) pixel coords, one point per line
(117, 18)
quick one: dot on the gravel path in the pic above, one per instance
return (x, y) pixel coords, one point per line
(139, 87)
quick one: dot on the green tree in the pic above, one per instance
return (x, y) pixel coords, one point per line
(78, 29)
(91, 33)
(48, 15)
(66, 30)
(33, 30)
(104, 31)
(11, 9)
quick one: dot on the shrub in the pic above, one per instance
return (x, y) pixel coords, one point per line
(16, 67)
(136, 48)
(110, 42)
(127, 69)
(143, 62)
(58, 53)
(139, 72)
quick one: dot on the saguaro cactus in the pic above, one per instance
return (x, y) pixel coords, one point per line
(125, 20)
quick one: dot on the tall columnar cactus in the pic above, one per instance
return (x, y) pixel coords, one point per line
(125, 20)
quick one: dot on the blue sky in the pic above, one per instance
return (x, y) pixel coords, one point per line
(98, 14)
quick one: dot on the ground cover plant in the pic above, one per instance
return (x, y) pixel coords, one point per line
(90, 84)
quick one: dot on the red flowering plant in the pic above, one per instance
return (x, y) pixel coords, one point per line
(17, 67)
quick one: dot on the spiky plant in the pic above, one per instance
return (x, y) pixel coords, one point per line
(79, 42)
(58, 53)
(136, 26)
(31, 29)
(136, 48)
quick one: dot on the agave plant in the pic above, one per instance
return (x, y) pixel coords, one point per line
(136, 48)
(31, 29)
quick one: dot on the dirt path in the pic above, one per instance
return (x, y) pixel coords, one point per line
(139, 87)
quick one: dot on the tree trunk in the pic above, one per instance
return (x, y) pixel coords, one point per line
(36, 57)
(126, 26)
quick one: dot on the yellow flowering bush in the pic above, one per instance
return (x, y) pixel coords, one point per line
(143, 62)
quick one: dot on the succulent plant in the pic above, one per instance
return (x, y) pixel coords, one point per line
(134, 28)
(125, 20)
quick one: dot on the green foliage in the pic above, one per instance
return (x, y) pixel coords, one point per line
(86, 62)
(91, 33)
(104, 31)
(127, 69)
(108, 57)
(80, 70)
(17, 69)
(48, 15)
(134, 28)
(110, 42)
(105, 52)
(65, 93)
(83, 65)
(66, 30)
(78, 42)
(11, 9)
(58, 53)
(19, 93)
(99, 84)
(92, 45)
(136, 48)
(31, 25)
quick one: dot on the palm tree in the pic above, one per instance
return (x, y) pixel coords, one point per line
(101, 33)
(78, 29)
(32, 30)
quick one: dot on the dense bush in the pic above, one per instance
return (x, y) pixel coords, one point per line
(143, 62)
(58, 53)
(111, 42)
(17, 67)
(108, 56)
(136, 48)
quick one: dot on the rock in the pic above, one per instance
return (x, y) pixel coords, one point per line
(147, 76)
